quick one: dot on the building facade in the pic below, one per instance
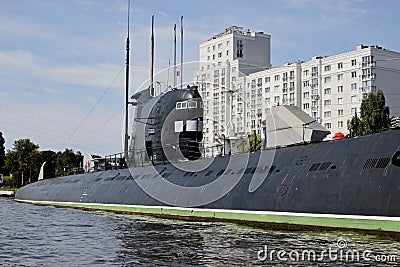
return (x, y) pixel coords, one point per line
(238, 84)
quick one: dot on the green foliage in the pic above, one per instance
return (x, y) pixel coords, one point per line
(253, 143)
(2, 153)
(374, 116)
(23, 161)
(7, 180)
(68, 162)
(26, 159)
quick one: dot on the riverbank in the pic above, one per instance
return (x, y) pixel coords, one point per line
(7, 193)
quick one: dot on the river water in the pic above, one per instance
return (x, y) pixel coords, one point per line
(47, 236)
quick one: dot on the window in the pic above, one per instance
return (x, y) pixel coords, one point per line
(267, 100)
(276, 77)
(267, 79)
(327, 114)
(340, 77)
(340, 124)
(353, 62)
(327, 68)
(340, 112)
(214, 56)
(239, 48)
(227, 52)
(208, 49)
(327, 91)
(353, 74)
(220, 54)
(276, 100)
(267, 89)
(259, 82)
(192, 104)
(340, 89)
(327, 79)
(328, 125)
(353, 86)
(223, 72)
(213, 47)
(314, 115)
(340, 65)
(353, 99)
(178, 126)
(314, 71)
(216, 83)
(306, 106)
(219, 45)
(327, 102)
(340, 100)
(306, 73)
(306, 95)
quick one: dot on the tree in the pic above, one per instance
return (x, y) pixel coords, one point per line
(374, 116)
(68, 162)
(23, 161)
(2, 153)
(253, 143)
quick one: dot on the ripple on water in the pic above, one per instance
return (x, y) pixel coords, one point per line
(47, 236)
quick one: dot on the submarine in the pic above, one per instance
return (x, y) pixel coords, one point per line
(352, 183)
(166, 171)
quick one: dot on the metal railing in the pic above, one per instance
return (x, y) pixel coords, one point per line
(139, 158)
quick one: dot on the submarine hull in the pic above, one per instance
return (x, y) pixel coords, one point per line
(351, 183)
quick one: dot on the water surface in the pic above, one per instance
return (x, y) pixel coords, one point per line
(48, 236)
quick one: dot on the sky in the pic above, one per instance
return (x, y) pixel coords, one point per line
(62, 62)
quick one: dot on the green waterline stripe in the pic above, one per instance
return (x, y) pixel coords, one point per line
(370, 223)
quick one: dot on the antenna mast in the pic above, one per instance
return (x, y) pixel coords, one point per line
(152, 93)
(181, 52)
(126, 138)
(174, 56)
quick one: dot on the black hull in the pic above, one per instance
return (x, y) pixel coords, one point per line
(357, 176)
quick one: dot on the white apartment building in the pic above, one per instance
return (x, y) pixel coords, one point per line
(225, 60)
(330, 89)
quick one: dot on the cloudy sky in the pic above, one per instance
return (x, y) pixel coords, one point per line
(62, 62)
